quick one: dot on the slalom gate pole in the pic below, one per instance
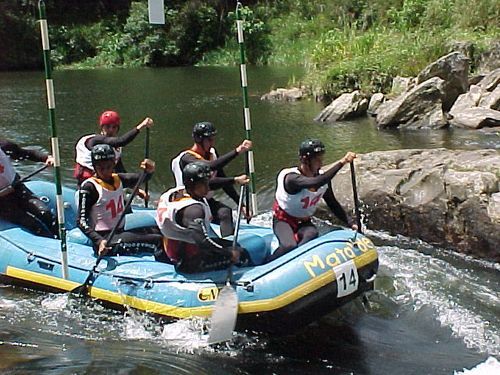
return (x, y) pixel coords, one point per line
(51, 104)
(246, 112)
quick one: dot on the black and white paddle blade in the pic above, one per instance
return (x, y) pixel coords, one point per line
(224, 316)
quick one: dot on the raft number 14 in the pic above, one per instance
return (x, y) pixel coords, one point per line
(347, 278)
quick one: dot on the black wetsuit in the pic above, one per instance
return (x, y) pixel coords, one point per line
(123, 242)
(21, 206)
(221, 213)
(212, 253)
(293, 184)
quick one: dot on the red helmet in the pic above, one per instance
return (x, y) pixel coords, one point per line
(109, 118)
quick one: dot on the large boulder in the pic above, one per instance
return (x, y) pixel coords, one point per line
(447, 198)
(344, 107)
(454, 70)
(476, 118)
(421, 107)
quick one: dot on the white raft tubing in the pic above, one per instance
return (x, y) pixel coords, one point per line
(51, 104)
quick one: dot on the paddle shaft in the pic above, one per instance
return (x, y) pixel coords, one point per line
(355, 197)
(225, 311)
(112, 233)
(51, 106)
(146, 156)
(25, 178)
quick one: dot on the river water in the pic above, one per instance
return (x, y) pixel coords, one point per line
(433, 311)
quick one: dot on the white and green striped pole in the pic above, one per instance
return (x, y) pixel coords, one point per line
(51, 103)
(246, 108)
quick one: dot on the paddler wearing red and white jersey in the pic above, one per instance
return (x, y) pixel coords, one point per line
(101, 202)
(109, 124)
(298, 192)
(204, 149)
(184, 217)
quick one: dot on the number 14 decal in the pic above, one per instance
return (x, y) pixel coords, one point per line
(310, 202)
(347, 278)
(115, 208)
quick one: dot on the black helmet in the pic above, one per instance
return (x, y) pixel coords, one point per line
(102, 152)
(202, 130)
(194, 172)
(311, 147)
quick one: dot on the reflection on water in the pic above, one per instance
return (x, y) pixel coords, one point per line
(433, 311)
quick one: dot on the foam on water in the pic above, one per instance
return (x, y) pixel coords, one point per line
(489, 367)
(456, 295)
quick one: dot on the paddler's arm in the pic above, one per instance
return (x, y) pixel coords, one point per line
(122, 140)
(192, 217)
(14, 151)
(295, 182)
(335, 206)
(87, 197)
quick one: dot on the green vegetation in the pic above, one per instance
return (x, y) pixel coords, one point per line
(343, 44)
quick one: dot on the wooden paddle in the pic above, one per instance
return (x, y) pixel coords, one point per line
(225, 310)
(82, 290)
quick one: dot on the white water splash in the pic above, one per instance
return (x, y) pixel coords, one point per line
(7, 304)
(489, 367)
(454, 294)
(187, 335)
(55, 302)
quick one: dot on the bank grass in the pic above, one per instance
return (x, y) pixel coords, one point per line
(345, 60)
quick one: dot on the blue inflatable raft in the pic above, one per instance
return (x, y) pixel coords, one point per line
(285, 294)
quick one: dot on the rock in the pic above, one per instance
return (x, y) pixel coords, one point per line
(293, 94)
(490, 60)
(476, 118)
(418, 108)
(375, 101)
(491, 80)
(468, 100)
(344, 107)
(444, 197)
(453, 69)
(491, 100)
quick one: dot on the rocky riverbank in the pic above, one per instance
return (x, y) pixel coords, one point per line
(444, 197)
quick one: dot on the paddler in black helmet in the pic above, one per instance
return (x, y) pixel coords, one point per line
(299, 190)
(184, 217)
(204, 149)
(101, 202)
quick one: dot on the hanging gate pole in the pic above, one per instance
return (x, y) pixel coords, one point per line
(51, 103)
(246, 110)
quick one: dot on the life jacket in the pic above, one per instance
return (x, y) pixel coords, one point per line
(105, 213)
(178, 242)
(301, 205)
(177, 171)
(7, 174)
(83, 153)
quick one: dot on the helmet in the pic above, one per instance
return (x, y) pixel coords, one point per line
(109, 118)
(202, 130)
(194, 172)
(311, 147)
(102, 152)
